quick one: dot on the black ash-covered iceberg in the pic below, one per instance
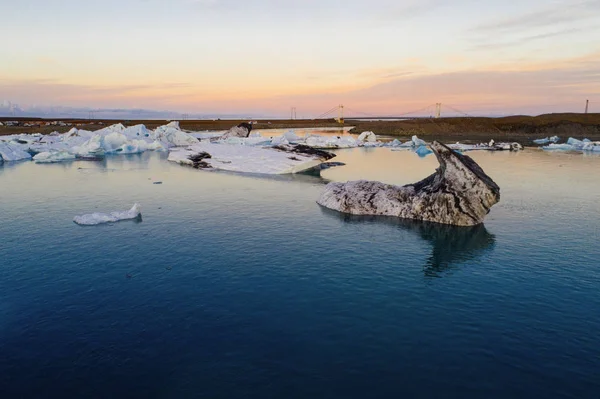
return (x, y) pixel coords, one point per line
(458, 193)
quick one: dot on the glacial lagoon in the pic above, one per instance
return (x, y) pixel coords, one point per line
(242, 286)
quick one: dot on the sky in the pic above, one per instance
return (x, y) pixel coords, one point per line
(377, 57)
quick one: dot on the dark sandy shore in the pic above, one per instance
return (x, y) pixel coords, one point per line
(522, 129)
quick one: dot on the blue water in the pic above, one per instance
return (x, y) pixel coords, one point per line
(234, 286)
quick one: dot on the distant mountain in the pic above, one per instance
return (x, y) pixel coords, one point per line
(7, 109)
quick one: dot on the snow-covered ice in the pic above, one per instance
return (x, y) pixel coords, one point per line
(247, 159)
(99, 218)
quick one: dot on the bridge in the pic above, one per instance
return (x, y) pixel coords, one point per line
(341, 113)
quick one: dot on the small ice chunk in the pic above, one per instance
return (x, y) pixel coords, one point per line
(367, 137)
(545, 140)
(559, 147)
(423, 151)
(417, 142)
(291, 136)
(99, 218)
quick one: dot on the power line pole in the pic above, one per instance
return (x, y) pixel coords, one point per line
(587, 104)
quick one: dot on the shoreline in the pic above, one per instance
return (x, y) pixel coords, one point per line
(521, 129)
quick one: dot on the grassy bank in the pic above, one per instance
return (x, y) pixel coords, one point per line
(522, 129)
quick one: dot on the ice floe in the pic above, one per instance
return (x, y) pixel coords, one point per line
(573, 144)
(99, 218)
(53, 157)
(282, 159)
(546, 140)
(10, 152)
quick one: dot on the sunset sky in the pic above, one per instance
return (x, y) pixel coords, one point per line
(264, 56)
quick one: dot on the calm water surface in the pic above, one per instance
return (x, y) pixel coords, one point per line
(235, 286)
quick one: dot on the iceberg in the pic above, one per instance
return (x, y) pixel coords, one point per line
(10, 152)
(417, 142)
(559, 147)
(242, 130)
(172, 136)
(281, 159)
(546, 140)
(491, 146)
(394, 143)
(458, 193)
(99, 218)
(323, 142)
(367, 137)
(573, 144)
(423, 151)
(53, 157)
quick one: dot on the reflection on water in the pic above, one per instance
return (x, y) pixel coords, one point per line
(450, 244)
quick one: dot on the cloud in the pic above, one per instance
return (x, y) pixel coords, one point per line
(564, 87)
(531, 89)
(565, 12)
(525, 39)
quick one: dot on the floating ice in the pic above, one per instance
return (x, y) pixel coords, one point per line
(99, 218)
(291, 136)
(171, 135)
(417, 142)
(423, 151)
(242, 130)
(546, 140)
(282, 159)
(328, 142)
(573, 144)
(367, 137)
(53, 157)
(394, 143)
(458, 193)
(10, 152)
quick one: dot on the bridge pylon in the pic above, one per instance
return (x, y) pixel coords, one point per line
(340, 118)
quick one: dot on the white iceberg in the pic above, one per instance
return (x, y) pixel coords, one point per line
(417, 142)
(573, 144)
(559, 147)
(291, 136)
(99, 218)
(53, 157)
(546, 140)
(331, 142)
(394, 143)
(172, 136)
(10, 152)
(282, 159)
(367, 137)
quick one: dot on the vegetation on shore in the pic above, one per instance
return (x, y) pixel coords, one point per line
(519, 128)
